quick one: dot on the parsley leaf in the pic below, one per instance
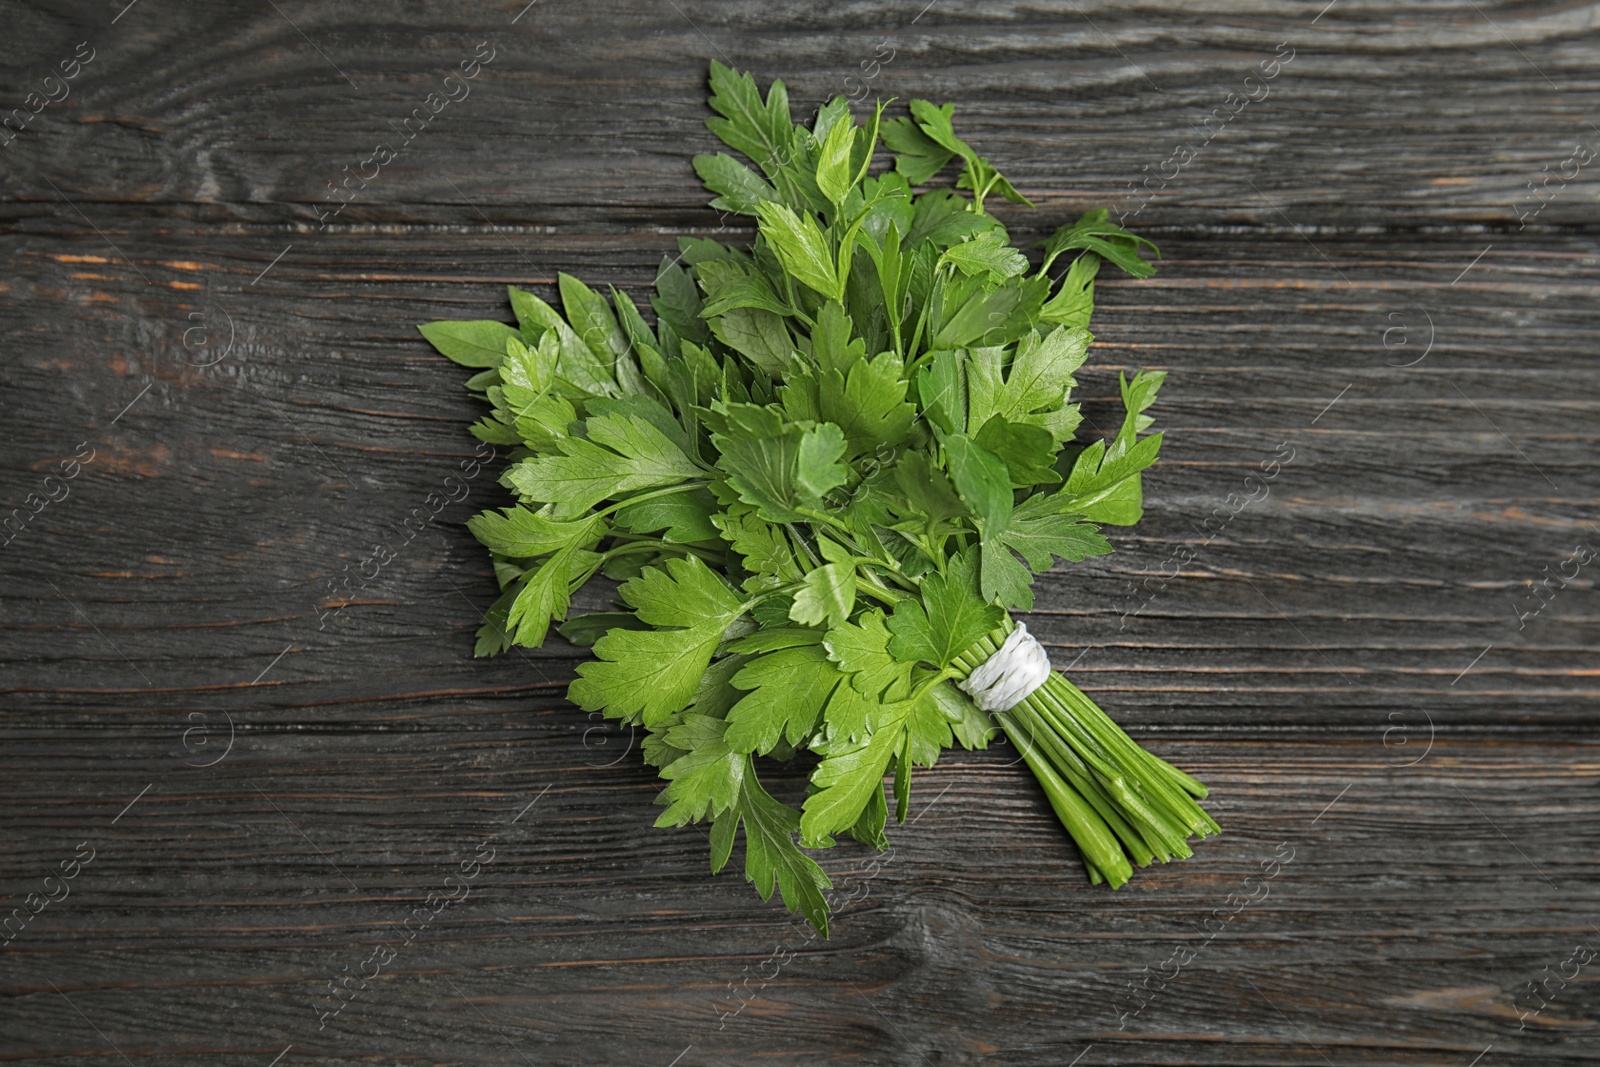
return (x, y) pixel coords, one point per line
(788, 689)
(622, 453)
(826, 597)
(802, 247)
(545, 595)
(471, 344)
(986, 256)
(851, 771)
(1094, 233)
(761, 454)
(1034, 388)
(982, 480)
(771, 857)
(861, 649)
(868, 402)
(765, 550)
(523, 534)
(1037, 531)
(918, 157)
(950, 618)
(682, 518)
(649, 674)
(761, 130)
(1074, 301)
(708, 775)
(739, 189)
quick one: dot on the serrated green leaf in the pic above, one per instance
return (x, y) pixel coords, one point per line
(1074, 301)
(978, 312)
(1038, 531)
(913, 640)
(861, 649)
(1028, 451)
(846, 713)
(546, 595)
(640, 335)
(986, 256)
(729, 285)
(577, 363)
(739, 189)
(1003, 578)
(683, 518)
(624, 453)
(765, 550)
(942, 387)
(650, 674)
(918, 157)
(523, 534)
(1138, 393)
(817, 468)
(771, 858)
(982, 480)
(494, 636)
(927, 492)
(928, 736)
(1093, 232)
(480, 343)
(788, 689)
(827, 597)
(979, 175)
(835, 174)
(677, 303)
(941, 219)
(868, 829)
(531, 367)
(760, 453)
(763, 131)
(757, 334)
(592, 319)
(1034, 388)
(868, 403)
(801, 247)
(681, 592)
(950, 618)
(1104, 484)
(844, 781)
(493, 431)
(973, 728)
(707, 778)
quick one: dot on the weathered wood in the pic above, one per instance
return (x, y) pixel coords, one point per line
(1355, 660)
(584, 115)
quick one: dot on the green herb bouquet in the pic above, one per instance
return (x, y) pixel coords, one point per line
(823, 477)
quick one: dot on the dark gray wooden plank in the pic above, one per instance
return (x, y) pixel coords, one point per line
(1447, 112)
(1397, 925)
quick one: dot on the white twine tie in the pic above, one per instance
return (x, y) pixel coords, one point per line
(1006, 679)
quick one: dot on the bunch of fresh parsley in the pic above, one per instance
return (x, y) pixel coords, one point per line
(822, 476)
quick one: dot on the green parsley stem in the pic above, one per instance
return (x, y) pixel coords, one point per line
(1100, 849)
(646, 544)
(682, 487)
(878, 592)
(1074, 747)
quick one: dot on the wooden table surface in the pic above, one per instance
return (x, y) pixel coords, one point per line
(1384, 265)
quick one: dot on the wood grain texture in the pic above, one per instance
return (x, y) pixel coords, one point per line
(1399, 734)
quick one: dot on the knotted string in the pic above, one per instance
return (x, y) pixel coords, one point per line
(1005, 679)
